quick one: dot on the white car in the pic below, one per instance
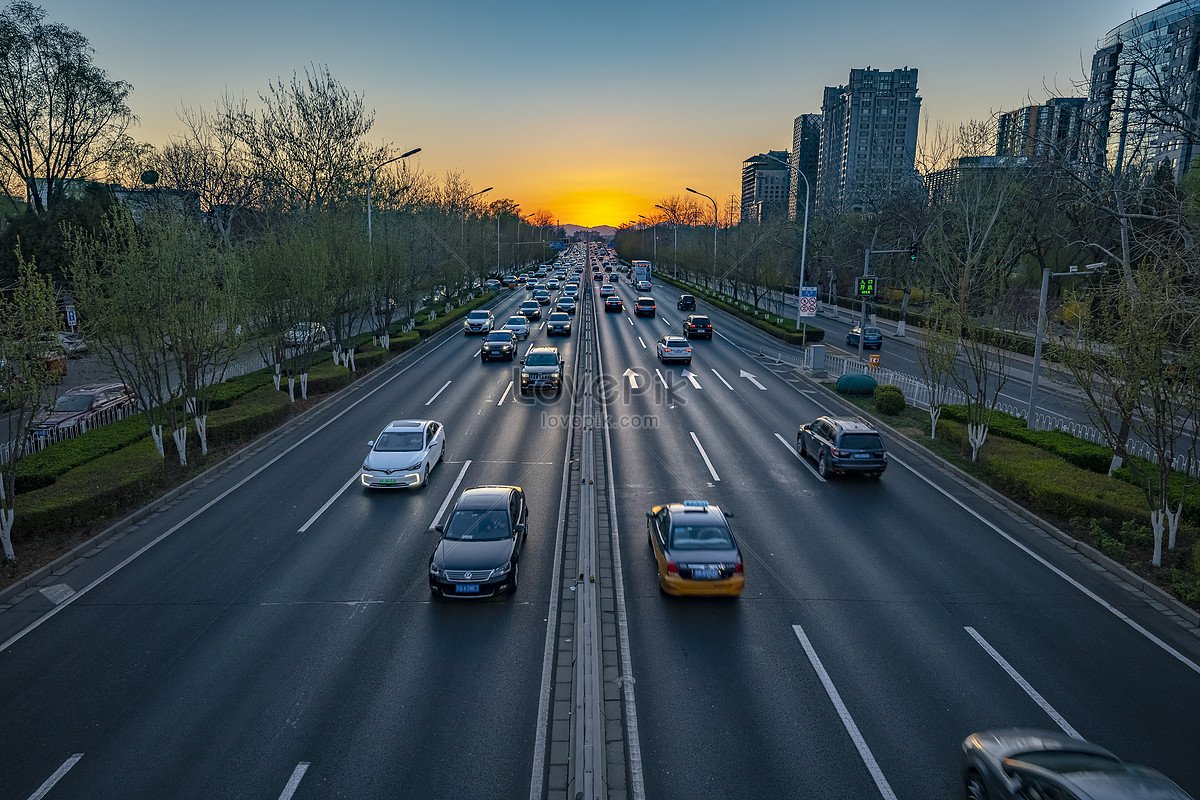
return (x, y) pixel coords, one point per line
(305, 334)
(607, 290)
(519, 325)
(403, 454)
(643, 286)
(479, 321)
(674, 348)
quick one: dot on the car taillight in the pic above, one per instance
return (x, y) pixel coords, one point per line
(738, 569)
(672, 568)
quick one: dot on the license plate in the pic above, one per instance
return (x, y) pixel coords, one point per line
(387, 481)
(466, 588)
(705, 573)
(862, 455)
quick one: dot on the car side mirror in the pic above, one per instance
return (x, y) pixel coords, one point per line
(371, 443)
(522, 362)
(519, 527)
(440, 528)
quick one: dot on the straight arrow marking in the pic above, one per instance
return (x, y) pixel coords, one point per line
(691, 377)
(629, 373)
(752, 379)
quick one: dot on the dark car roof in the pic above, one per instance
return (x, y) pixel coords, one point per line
(92, 388)
(484, 496)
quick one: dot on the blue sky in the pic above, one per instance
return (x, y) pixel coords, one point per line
(593, 112)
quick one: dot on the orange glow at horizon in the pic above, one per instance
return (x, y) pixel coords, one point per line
(593, 208)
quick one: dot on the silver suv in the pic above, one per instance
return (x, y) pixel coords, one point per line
(541, 368)
(479, 321)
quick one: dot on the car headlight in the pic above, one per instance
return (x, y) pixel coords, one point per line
(434, 569)
(554, 376)
(501, 570)
(414, 466)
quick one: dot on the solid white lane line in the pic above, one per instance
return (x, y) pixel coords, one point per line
(864, 752)
(643, 343)
(661, 378)
(439, 391)
(723, 336)
(507, 389)
(1024, 684)
(294, 781)
(1187, 662)
(329, 502)
(56, 777)
(704, 455)
(449, 495)
(800, 458)
(727, 386)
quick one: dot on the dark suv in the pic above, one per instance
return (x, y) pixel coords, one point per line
(85, 407)
(841, 445)
(541, 369)
(644, 307)
(697, 326)
(686, 302)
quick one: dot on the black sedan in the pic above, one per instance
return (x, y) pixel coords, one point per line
(480, 549)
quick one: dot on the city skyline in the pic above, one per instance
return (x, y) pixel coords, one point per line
(593, 119)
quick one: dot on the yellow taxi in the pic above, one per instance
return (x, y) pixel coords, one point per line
(695, 550)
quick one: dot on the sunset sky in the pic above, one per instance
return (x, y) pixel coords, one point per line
(594, 112)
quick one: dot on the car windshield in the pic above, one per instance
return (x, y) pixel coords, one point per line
(674, 342)
(642, 301)
(699, 320)
(700, 537)
(557, 317)
(529, 304)
(478, 525)
(499, 336)
(73, 402)
(541, 360)
(861, 441)
(400, 441)
(517, 322)
(872, 331)
(1064, 761)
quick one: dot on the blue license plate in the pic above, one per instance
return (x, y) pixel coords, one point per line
(466, 588)
(862, 455)
(704, 574)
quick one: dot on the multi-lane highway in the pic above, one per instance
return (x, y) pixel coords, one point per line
(272, 634)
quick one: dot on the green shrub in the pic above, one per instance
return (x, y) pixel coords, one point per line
(369, 357)
(1080, 452)
(400, 342)
(96, 490)
(856, 385)
(328, 377)
(224, 394)
(40, 469)
(259, 411)
(889, 398)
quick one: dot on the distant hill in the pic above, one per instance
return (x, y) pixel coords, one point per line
(603, 230)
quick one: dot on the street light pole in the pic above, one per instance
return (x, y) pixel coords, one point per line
(803, 237)
(714, 202)
(675, 229)
(462, 228)
(1090, 269)
(654, 233)
(371, 179)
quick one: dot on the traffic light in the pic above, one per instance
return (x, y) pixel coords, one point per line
(912, 251)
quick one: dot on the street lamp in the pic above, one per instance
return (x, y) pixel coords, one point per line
(1090, 269)
(803, 237)
(675, 228)
(654, 233)
(371, 179)
(714, 202)
(463, 224)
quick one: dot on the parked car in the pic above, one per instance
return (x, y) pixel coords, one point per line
(305, 334)
(871, 337)
(841, 445)
(403, 454)
(88, 405)
(479, 552)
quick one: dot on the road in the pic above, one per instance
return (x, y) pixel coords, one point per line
(271, 634)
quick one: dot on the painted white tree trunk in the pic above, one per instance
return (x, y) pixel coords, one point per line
(276, 377)
(202, 432)
(304, 386)
(180, 437)
(900, 329)
(291, 388)
(386, 341)
(156, 433)
(1157, 520)
(337, 355)
(1173, 524)
(1115, 464)
(935, 413)
(976, 435)
(6, 526)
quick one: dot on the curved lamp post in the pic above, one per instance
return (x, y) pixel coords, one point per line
(803, 237)
(371, 179)
(714, 202)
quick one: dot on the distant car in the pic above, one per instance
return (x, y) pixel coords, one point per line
(552, 284)
(607, 290)
(597, 276)
(479, 321)
(644, 307)
(1049, 765)
(542, 296)
(403, 454)
(697, 326)
(479, 553)
(558, 323)
(872, 337)
(72, 344)
(566, 305)
(499, 345)
(531, 310)
(613, 303)
(519, 325)
(694, 550)
(686, 302)
(306, 334)
(492, 284)
(541, 368)
(88, 405)
(674, 348)
(643, 286)
(841, 445)
(510, 281)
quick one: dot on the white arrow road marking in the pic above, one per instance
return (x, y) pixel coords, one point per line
(439, 391)
(801, 458)
(294, 782)
(56, 777)
(477, 352)
(727, 386)
(691, 377)
(704, 455)
(643, 343)
(629, 373)
(661, 378)
(743, 374)
(462, 473)
(1024, 684)
(505, 395)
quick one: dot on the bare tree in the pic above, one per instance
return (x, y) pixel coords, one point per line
(61, 117)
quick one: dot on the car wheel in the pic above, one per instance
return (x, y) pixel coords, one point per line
(442, 454)
(823, 464)
(973, 787)
(512, 582)
(801, 446)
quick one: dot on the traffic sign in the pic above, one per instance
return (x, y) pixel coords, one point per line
(808, 301)
(866, 287)
(873, 359)
(71, 316)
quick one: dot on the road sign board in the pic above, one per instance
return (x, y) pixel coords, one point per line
(808, 301)
(866, 287)
(558, 245)
(874, 360)
(71, 316)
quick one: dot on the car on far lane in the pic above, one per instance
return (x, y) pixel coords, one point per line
(697, 326)
(613, 303)
(607, 290)
(531, 310)
(644, 307)
(88, 405)
(643, 286)
(674, 348)
(479, 553)
(871, 337)
(519, 325)
(558, 324)
(499, 345)
(686, 302)
(403, 454)
(694, 550)
(1049, 765)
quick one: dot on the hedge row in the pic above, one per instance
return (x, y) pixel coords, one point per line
(42, 468)
(260, 410)
(810, 334)
(1080, 452)
(430, 327)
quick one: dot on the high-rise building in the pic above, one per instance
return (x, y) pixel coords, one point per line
(1144, 97)
(806, 152)
(1049, 131)
(868, 137)
(765, 187)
